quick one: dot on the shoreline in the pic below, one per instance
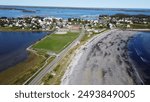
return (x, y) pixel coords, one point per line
(26, 30)
(30, 47)
(32, 57)
(104, 61)
(142, 30)
(21, 71)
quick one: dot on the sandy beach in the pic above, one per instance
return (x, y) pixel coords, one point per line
(103, 60)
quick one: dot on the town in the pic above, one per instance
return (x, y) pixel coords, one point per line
(126, 21)
(63, 25)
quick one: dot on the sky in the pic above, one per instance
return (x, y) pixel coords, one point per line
(81, 3)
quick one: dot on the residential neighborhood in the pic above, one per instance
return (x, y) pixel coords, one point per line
(125, 21)
(73, 24)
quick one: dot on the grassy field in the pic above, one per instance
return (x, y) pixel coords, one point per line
(54, 77)
(22, 71)
(19, 73)
(55, 42)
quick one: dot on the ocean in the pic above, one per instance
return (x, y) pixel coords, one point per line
(87, 13)
(139, 51)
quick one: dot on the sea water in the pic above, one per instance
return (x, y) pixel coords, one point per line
(89, 13)
(139, 51)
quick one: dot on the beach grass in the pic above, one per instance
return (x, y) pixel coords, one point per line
(55, 42)
(54, 77)
(140, 26)
(19, 73)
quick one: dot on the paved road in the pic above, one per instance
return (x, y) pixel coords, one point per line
(53, 64)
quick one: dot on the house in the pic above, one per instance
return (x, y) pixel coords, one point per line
(128, 26)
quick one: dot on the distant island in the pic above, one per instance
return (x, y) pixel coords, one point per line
(13, 8)
(8, 7)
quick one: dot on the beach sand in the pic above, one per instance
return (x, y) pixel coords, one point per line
(103, 60)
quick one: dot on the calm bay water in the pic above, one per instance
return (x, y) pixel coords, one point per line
(13, 46)
(139, 48)
(13, 11)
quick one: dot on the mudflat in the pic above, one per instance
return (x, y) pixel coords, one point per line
(103, 60)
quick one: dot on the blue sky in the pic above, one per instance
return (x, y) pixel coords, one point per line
(81, 3)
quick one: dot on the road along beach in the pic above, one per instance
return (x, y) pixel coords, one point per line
(103, 60)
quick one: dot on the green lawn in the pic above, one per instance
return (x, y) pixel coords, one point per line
(56, 42)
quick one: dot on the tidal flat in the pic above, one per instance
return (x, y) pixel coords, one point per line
(103, 60)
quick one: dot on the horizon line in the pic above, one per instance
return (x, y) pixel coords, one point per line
(73, 7)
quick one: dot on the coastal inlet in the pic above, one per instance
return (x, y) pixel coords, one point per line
(13, 46)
